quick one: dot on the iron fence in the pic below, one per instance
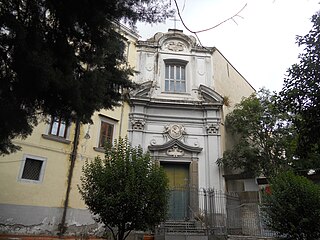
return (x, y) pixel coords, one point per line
(219, 212)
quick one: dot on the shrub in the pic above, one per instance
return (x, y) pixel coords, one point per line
(126, 190)
(292, 209)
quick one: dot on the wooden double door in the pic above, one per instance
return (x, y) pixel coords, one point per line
(178, 174)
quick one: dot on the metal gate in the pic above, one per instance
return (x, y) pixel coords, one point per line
(179, 203)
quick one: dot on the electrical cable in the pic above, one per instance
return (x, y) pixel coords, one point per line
(210, 28)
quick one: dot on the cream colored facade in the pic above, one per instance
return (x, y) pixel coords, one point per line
(232, 85)
(37, 207)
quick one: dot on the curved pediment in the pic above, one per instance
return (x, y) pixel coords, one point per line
(175, 143)
(143, 90)
(172, 41)
(209, 95)
(176, 41)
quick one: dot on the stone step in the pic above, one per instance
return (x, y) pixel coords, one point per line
(186, 224)
(240, 237)
(182, 228)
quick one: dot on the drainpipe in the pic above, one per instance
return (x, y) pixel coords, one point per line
(73, 157)
(121, 117)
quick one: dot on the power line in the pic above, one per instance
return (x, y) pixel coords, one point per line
(210, 28)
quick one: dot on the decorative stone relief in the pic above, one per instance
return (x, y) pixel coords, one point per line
(138, 124)
(201, 66)
(175, 131)
(149, 67)
(153, 142)
(175, 151)
(175, 46)
(212, 128)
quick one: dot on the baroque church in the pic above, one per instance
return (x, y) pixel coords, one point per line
(177, 114)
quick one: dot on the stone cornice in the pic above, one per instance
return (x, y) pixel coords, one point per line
(209, 95)
(172, 143)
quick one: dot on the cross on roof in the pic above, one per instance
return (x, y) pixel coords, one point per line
(175, 21)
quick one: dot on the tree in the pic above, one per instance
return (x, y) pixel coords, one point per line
(63, 58)
(125, 190)
(292, 209)
(300, 96)
(264, 138)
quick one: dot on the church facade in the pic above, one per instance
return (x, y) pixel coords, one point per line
(177, 114)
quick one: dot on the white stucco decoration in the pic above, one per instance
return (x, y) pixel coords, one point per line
(153, 142)
(138, 124)
(201, 66)
(175, 46)
(175, 131)
(212, 128)
(149, 67)
(175, 151)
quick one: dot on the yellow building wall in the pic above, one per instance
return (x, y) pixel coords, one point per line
(51, 192)
(46, 193)
(86, 149)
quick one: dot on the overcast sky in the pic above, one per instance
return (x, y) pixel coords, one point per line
(260, 45)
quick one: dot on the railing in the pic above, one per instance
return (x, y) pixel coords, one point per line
(218, 212)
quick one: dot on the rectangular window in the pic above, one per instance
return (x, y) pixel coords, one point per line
(175, 80)
(106, 134)
(58, 127)
(32, 168)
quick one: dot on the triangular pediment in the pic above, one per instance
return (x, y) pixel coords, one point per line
(174, 143)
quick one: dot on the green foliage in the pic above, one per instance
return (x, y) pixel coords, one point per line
(293, 207)
(265, 139)
(301, 97)
(63, 58)
(126, 190)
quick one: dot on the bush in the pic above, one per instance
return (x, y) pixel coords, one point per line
(126, 190)
(292, 209)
